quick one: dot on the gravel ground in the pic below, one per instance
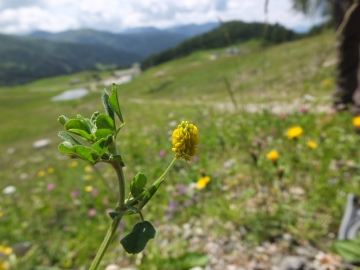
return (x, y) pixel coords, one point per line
(228, 252)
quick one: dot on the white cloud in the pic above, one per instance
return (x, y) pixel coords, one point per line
(19, 16)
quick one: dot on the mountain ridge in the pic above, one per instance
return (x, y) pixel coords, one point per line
(25, 59)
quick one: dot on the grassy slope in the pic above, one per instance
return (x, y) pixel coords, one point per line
(189, 90)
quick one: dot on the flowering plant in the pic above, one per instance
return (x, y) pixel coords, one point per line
(98, 135)
(294, 132)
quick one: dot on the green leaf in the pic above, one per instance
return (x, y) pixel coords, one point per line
(348, 250)
(104, 121)
(136, 241)
(105, 100)
(90, 125)
(79, 151)
(102, 145)
(83, 134)
(105, 126)
(149, 193)
(77, 124)
(137, 185)
(63, 119)
(122, 213)
(94, 116)
(67, 137)
(114, 103)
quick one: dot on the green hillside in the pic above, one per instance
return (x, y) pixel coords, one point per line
(254, 211)
(26, 59)
(227, 34)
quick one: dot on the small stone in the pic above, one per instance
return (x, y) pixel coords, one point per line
(41, 143)
(293, 263)
(196, 268)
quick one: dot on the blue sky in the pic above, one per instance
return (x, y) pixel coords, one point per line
(23, 16)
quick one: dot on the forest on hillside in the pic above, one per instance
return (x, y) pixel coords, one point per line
(227, 34)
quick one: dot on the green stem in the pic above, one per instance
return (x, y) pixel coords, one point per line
(117, 165)
(121, 179)
(166, 171)
(105, 244)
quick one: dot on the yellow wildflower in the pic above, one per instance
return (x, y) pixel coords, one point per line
(50, 170)
(2, 266)
(312, 144)
(5, 250)
(1, 214)
(273, 155)
(202, 182)
(41, 173)
(73, 164)
(184, 140)
(88, 177)
(8, 251)
(89, 188)
(356, 122)
(88, 168)
(294, 132)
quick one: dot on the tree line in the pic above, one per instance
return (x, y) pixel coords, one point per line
(227, 34)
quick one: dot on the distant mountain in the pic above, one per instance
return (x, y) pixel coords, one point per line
(143, 41)
(143, 44)
(192, 30)
(141, 30)
(186, 31)
(25, 59)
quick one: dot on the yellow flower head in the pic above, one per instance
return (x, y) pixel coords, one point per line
(356, 122)
(3, 266)
(202, 182)
(89, 188)
(273, 155)
(294, 132)
(1, 214)
(74, 164)
(88, 168)
(41, 173)
(5, 250)
(184, 140)
(50, 170)
(312, 144)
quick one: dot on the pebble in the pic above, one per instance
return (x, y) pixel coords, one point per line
(293, 263)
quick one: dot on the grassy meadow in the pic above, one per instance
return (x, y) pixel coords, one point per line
(56, 217)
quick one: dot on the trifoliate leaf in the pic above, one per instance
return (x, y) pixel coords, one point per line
(136, 241)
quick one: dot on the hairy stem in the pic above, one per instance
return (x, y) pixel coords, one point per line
(117, 164)
(105, 244)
